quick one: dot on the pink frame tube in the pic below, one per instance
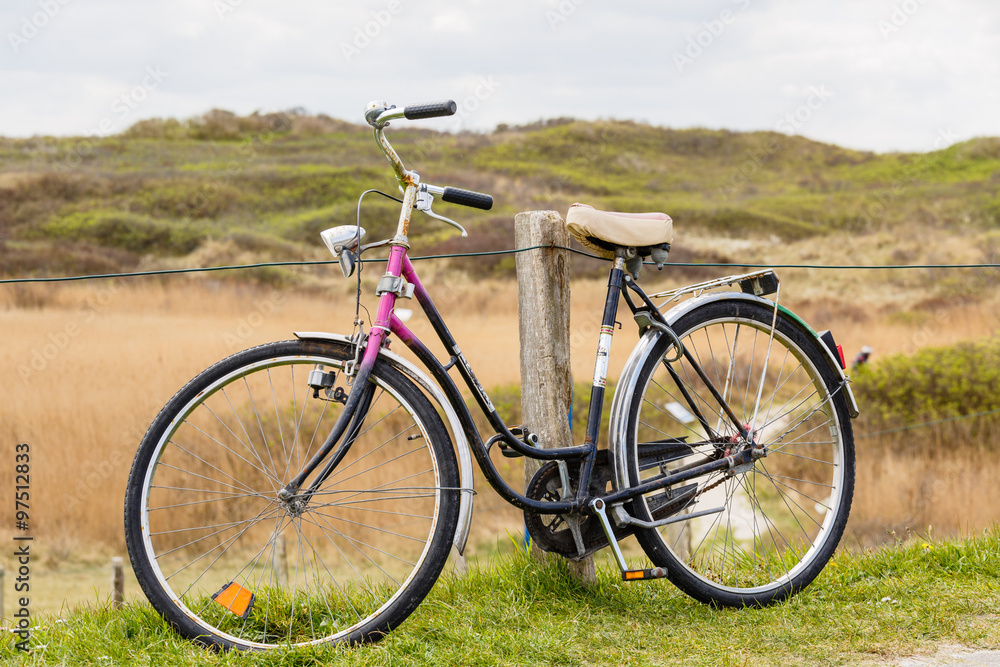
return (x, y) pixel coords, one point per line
(385, 320)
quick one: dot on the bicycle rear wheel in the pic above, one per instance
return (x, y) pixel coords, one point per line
(768, 527)
(231, 565)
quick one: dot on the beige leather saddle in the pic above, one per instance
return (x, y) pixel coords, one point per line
(604, 232)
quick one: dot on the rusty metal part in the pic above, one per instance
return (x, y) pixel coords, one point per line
(409, 197)
(402, 175)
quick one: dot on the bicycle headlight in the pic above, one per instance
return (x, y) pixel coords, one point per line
(342, 242)
(342, 237)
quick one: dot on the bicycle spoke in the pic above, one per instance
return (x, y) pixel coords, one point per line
(184, 471)
(246, 446)
(260, 426)
(249, 444)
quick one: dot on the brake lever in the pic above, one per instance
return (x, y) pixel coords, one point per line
(424, 202)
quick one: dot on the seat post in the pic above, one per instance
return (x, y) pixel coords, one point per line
(596, 409)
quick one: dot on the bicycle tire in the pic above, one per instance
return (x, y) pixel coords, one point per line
(206, 531)
(777, 528)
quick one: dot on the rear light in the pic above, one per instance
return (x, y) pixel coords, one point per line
(838, 353)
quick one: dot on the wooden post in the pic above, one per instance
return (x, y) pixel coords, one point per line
(280, 561)
(117, 582)
(543, 312)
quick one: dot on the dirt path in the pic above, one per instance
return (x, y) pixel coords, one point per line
(953, 656)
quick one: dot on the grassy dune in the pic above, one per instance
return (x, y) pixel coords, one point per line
(220, 187)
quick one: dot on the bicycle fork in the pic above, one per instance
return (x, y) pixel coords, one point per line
(356, 408)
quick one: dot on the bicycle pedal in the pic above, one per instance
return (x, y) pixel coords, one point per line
(516, 431)
(640, 575)
(509, 452)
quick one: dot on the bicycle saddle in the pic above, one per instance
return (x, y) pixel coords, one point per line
(603, 231)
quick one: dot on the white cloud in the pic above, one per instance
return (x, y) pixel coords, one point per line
(596, 58)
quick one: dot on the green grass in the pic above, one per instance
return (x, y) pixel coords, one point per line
(865, 607)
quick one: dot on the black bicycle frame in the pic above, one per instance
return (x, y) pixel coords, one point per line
(586, 452)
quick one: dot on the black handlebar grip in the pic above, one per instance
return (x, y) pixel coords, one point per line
(467, 198)
(430, 110)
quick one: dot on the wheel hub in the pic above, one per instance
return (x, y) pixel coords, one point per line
(294, 506)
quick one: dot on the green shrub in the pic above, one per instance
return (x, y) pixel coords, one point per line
(934, 383)
(127, 231)
(221, 125)
(168, 129)
(991, 212)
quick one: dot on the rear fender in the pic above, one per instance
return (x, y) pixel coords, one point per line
(628, 383)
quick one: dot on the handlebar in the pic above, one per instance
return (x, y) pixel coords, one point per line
(430, 110)
(469, 198)
(378, 115)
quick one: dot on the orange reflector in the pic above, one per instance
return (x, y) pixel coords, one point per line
(236, 599)
(639, 575)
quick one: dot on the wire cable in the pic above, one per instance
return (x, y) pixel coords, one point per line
(512, 251)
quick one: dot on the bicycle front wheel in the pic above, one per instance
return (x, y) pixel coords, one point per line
(229, 563)
(761, 531)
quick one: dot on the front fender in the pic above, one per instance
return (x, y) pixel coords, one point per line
(461, 443)
(617, 435)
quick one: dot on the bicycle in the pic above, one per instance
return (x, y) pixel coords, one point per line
(309, 490)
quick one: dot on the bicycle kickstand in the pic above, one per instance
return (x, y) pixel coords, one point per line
(600, 511)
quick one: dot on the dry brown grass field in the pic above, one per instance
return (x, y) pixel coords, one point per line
(88, 365)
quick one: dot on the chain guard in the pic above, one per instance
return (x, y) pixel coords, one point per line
(552, 532)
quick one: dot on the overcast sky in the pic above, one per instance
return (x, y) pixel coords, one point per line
(880, 74)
